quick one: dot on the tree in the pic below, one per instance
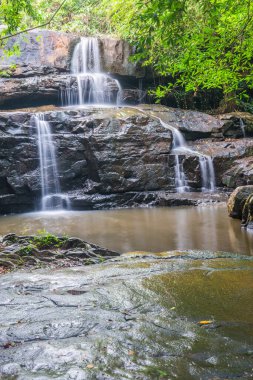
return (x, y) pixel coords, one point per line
(13, 14)
(201, 44)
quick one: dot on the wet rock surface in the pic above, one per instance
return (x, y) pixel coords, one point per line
(237, 124)
(240, 205)
(206, 135)
(141, 316)
(48, 250)
(101, 152)
(114, 157)
(193, 124)
(237, 201)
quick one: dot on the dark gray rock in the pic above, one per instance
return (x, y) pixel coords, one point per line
(237, 124)
(193, 124)
(37, 251)
(98, 152)
(111, 157)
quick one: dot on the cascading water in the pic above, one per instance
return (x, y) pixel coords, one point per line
(207, 173)
(242, 126)
(180, 147)
(90, 85)
(50, 186)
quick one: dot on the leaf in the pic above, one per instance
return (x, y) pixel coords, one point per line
(90, 366)
(208, 322)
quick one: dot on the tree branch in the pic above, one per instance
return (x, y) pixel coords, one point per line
(35, 27)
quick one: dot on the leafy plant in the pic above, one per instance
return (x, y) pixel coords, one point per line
(26, 250)
(196, 44)
(45, 240)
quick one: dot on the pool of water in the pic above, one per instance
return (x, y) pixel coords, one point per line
(146, 229)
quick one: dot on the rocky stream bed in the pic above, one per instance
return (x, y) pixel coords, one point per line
(173, 315)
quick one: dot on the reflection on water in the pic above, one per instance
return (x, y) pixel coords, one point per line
(150, 229)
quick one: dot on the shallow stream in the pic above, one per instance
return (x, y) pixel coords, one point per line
(147, 229)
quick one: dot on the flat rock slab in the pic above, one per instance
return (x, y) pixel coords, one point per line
(184, 315)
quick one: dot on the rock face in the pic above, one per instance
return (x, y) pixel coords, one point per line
(136, 316)
(44, 52)
(206, 135)
(99, 154)
(237, 124)
(37, 73)
(116, 157)
(41, 52)
(240, 205)
(193, 124)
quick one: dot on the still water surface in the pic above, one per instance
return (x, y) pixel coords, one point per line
(148, 229)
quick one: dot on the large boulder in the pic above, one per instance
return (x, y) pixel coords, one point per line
(237, 201)
(247, 213)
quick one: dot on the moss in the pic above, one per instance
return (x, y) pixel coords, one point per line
(26, 250)
(247, 212)
(46, 240)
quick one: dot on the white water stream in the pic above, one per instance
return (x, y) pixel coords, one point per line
(180, 148)
(93, 86)
(51, 196)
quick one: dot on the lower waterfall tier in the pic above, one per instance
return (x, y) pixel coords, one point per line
(116, 157)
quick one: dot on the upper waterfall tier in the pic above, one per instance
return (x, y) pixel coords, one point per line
(91, 85)
(86, 57)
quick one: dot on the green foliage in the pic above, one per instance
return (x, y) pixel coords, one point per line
(46, 240)
(16, 13)
(200, 44)
(86, 17)
(26, 250)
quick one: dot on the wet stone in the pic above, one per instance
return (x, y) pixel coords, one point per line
(29, 251)
(184, 315)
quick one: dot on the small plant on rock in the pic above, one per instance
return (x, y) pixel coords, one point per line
(26, 250)
(45, 240)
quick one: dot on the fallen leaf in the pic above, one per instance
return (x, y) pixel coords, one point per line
(90, 366)
(205, 322)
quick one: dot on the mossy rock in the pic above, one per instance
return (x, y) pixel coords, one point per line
(237, 201)
(247, 213)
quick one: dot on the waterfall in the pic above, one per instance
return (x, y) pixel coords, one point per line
(51, 197)
(242, 126)
(91, 85)
(179, 146)
(207, 173)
